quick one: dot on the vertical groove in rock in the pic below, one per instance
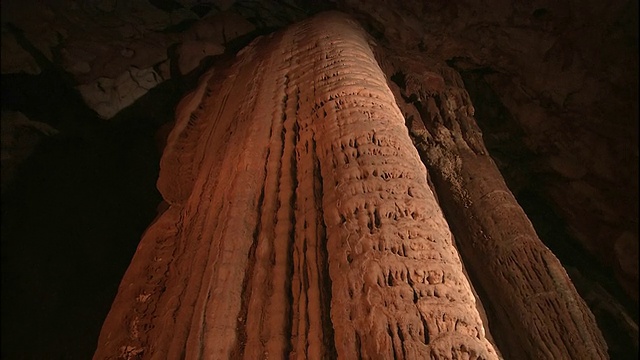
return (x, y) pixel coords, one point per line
(324, 279)
(538, 311)
(278, 310)
(384, 244)
(301, 222)
(257, 320)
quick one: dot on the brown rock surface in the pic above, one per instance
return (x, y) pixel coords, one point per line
(567, 75)
(536, 309)
(301, 223)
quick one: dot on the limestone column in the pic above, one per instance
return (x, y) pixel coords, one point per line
(300, 222)
(536, 311)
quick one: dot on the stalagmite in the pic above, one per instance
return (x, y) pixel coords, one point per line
(300, 222)
(538, 312)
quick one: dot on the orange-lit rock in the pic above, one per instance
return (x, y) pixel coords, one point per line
(554, 91)
(535, 309)
(301, 223)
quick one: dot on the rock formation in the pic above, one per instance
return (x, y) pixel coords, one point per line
(553, 86)
(300, 222)
(562, 73)
(500, 247)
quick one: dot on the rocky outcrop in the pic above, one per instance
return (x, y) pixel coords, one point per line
(108, 96)
(300, 223)
(114, 52)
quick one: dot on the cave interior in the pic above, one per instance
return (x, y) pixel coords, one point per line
(554, 86)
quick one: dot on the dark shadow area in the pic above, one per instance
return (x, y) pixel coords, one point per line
(74, 214)
(614, 311)
(78, 206)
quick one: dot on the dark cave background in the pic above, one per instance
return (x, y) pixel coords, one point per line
(76, 207)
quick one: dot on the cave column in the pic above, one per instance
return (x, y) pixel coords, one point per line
(535, 309)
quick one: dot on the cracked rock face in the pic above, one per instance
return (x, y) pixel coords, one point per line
(301, 223)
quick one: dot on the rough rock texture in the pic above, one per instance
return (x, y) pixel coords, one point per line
(567, 75)
(553, 84)
(544, 318)
(300, 223)
(114, 51)
(108, 96)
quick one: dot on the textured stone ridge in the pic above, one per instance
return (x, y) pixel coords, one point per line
(535, 311)
(300, 223)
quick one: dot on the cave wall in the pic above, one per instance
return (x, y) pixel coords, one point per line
(554, 87)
